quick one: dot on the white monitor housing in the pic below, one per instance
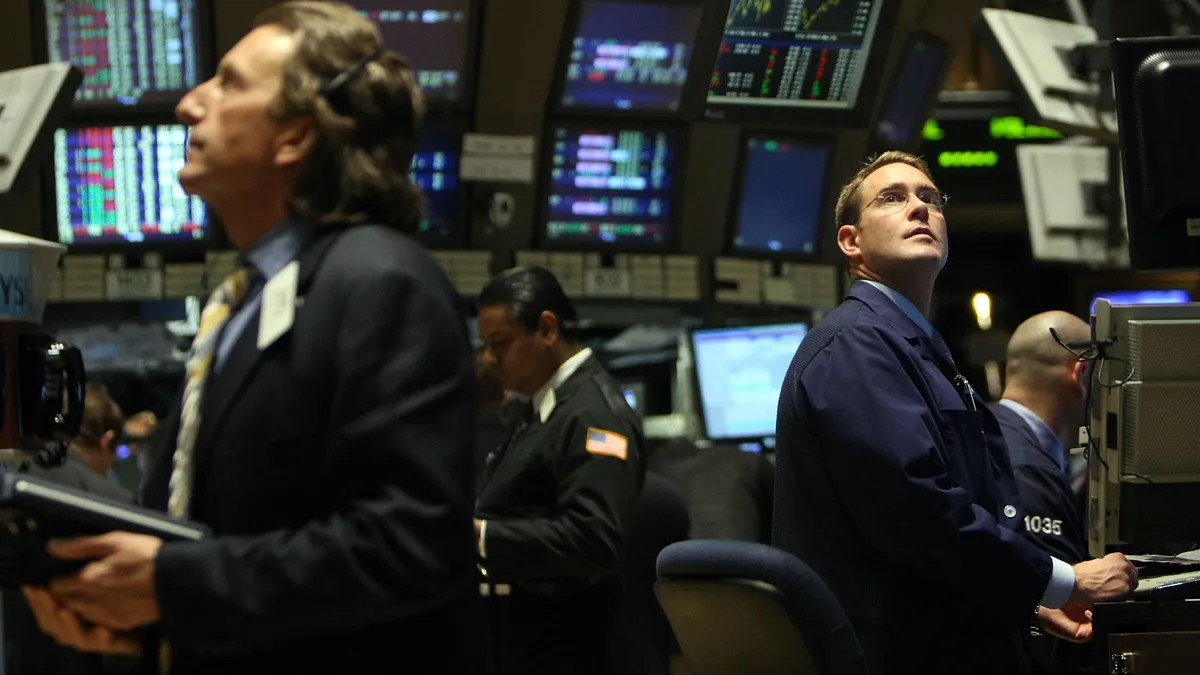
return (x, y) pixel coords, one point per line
(1144, 467)
(1057, 182)
(32, 100)
(1035, 50)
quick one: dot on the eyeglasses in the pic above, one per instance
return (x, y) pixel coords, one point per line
(893, 201)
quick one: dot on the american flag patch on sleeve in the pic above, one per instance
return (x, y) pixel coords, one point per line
(601, 442)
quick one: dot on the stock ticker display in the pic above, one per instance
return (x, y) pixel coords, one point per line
(630, 55)
(611, 186)
(130, 51)
(119, 184)
(794, 53)
(435, 173)
(432, 34)
(782, 189)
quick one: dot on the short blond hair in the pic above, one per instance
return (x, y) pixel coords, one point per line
(849, 203)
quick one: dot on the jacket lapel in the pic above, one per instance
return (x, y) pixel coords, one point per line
(225, 386)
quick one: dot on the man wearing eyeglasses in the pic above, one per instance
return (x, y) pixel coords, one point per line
(893, 481)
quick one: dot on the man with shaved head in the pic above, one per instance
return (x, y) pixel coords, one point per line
(1043, 406)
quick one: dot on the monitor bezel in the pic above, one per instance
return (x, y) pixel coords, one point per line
(471, 62)
(205, 18)
(546, 166)
(461, 124)
(1157, 246)
(914, 137)
(735, 202)
(692, 96)
(805, 319)
(857, 116)
(210, 241)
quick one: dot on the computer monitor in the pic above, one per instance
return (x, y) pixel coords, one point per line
(914, 91)
(784, 60)
(781, 194)
(118, 185)
(1035, 51)
(1156, 80)
(435, 171)
(1144, 472)
(133, 53)
(611, 186)
(438, 39)
(739, 372)
(1063, 188)
(627, 55)
(635, 396)
(1174, 296)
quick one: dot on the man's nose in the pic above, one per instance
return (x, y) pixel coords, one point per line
(192, 107)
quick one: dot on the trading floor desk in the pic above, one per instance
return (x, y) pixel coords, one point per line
(1147, 637)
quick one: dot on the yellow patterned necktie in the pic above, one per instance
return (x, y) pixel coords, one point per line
(222, 304)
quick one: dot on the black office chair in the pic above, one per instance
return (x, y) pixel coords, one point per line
(644, 641)
(741, 608)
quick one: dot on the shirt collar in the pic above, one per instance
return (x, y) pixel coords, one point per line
(278, 247)
(543, 399)
(910, 310)
(1041, 430)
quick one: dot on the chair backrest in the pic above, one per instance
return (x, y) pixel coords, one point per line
(741, 607)
(644, 634)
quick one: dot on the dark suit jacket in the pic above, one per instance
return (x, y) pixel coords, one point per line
(335, 467)
(29, 651)
(729, 492)
(902, 498)
(1053, 522)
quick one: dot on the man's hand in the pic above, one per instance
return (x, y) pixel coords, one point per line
(69, 630)
(1072, 622)
(116, 590)
(1112, 577)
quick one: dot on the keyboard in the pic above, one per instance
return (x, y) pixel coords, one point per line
(1179, 586)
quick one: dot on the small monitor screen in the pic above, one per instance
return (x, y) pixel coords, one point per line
(611, 185)
(435, 172)
(630, 55)
(635, 396)
(794, 53)
(1144, 297)
(130, 51)
(115, 185)
(783, 187)
(434, 35)
(740, 372)
(912, 91)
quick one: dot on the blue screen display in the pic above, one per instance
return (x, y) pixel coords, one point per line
(1148, 297)
(740, 372)
(630, 56)
(783, 183)
(435, 172)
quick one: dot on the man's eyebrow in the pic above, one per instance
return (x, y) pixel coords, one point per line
(904, 186)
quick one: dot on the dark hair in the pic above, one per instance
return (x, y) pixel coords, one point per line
(527, 292)
(357, 170)
(849, 203)
(101, 414)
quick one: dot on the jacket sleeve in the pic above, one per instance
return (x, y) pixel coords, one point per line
(403, 544)
(883, 448)
(597, 495)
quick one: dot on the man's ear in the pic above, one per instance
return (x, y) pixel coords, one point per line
(108, 442)
(547, 327)
(1080, 373)
(294, 143)
(848, 241)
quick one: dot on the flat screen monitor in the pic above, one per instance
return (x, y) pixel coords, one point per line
(629, 56)
(1155, 81)
(119, 185)
(739, 372)
(794, 55)
(611, 186)
(435, 36)
(783, 185)
(132, 52)
(1142, 297)
(635, 396)
(914, 91)
(435, 172)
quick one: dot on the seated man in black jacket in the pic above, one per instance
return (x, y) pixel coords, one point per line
(1043, 406)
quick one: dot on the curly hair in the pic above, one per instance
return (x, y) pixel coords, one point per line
(357, 169)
